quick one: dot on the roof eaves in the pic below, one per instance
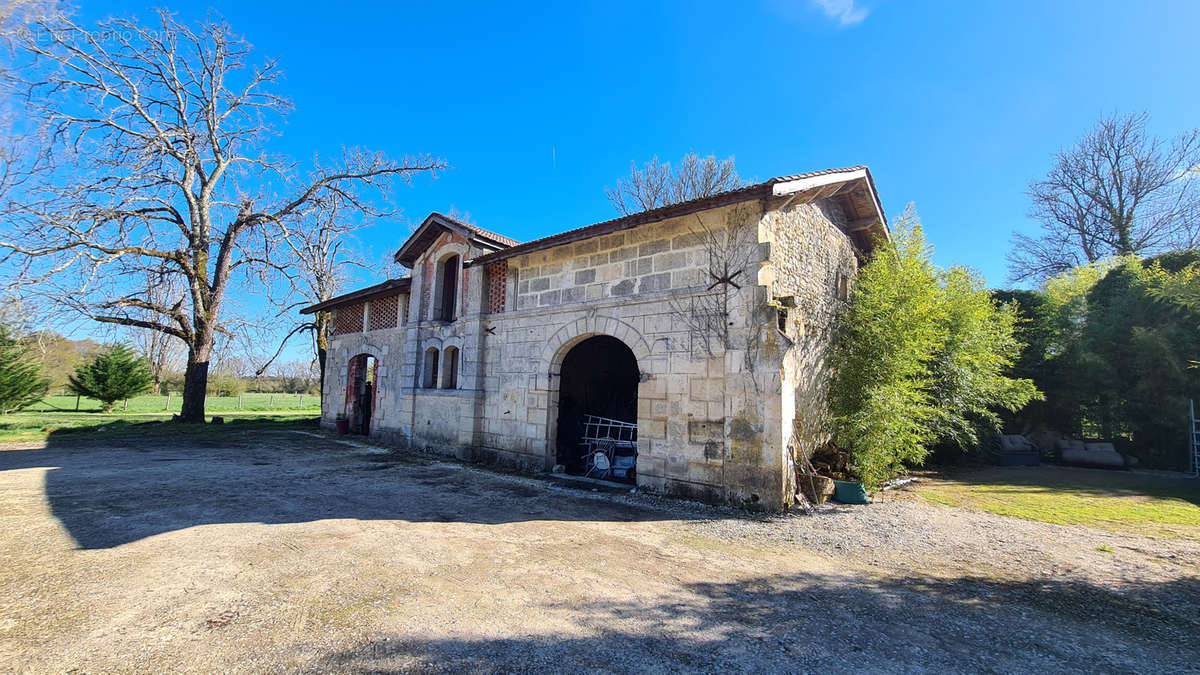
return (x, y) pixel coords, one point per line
(756, 190)
(472, 231)
(386, 287)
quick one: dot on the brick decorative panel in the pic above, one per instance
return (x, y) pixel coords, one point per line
(383, 312)
(497, 277)
(348, 319)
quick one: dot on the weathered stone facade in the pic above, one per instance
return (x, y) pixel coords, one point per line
(726, 304)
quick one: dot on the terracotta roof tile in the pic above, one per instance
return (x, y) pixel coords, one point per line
(487, 234)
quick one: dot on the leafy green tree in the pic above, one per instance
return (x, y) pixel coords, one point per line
(1051, 325)
(1173, 279)
(879, 397)
(114, 374)
(971, 367)
(1142, 344)
(921, 357)
(1115, 347)
(21, 381)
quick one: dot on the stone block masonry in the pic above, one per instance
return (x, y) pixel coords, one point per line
(730, 343)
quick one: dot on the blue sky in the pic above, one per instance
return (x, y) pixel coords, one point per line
(954, 105)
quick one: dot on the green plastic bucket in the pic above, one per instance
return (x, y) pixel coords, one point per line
(848, 492)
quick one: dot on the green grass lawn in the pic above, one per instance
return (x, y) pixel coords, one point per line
(57, 414)
(161, 431)
(172, 404)
(1117, 501)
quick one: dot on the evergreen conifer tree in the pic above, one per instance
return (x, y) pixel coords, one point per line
(21, 381)
(116, 373)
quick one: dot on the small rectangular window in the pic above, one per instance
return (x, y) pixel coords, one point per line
(450, 368)
(429, 379)
(449, 289)
(843, 286)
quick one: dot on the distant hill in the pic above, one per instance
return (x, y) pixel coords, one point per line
(59, 355)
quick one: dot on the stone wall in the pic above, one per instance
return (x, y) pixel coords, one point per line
(437, 418)
(712, 421)
(385, 345)
(636, 262)
(811, 271)
(633, 285)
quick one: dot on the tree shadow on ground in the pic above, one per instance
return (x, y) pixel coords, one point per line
(111, 489)
(832, 623)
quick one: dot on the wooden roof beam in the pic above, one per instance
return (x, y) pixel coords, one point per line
(860, 225)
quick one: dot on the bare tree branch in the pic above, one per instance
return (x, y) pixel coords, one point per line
(1118, 191)
(655, 184)
(147, 164)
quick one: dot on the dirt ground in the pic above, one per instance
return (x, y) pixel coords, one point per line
(283, 551)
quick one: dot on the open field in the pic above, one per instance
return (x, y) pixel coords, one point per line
(155, 404)
(40, 426)
(1161, 505)
(57, 413)
(251, 547)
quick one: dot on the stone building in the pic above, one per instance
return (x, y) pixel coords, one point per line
(706, 323)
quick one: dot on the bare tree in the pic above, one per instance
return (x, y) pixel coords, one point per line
(16, 314)
(657, 184)
(16, 14)
(156, 139)
(321, 257)
(461, 216)
(230, 375)
(163, 351)
(296, 377)
(1117, 191)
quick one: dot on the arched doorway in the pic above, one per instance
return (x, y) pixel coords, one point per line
(361, 381)
(598, 377)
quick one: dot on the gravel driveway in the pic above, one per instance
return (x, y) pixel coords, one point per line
(288, 552)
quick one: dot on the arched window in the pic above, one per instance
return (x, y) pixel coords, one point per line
(449, 289)
(429, 373)
(450, 368)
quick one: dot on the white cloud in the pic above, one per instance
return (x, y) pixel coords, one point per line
(844, 12)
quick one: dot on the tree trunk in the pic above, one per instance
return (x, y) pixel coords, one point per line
(1125, 243)
(321, 353)
(195, 385)
(1123, 227)
(322, 329)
